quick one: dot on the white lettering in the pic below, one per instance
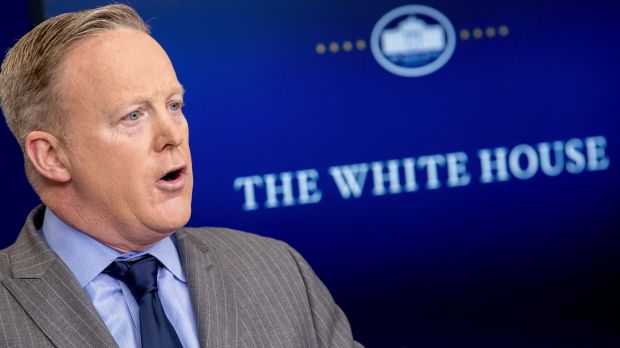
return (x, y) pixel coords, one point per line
(514, 160)
(410, 182)
(457, 169)
(431, 163)
(248, 182)
(488, 166)
(350, 179)
(545, 158)
(595, 147)
(497, 164)
(379, 177)
(308, 186)
(574, 153)
(273, 190)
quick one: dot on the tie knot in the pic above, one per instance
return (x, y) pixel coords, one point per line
(140, 275)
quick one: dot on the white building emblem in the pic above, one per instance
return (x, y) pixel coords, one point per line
(413, 40)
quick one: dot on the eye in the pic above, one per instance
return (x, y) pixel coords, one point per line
(133, 116)
(175, 106)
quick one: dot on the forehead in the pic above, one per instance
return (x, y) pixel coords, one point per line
(116, 64)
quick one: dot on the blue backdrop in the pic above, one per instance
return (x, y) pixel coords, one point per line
(472, 206)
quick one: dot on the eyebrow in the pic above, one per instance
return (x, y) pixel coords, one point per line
(145, 98)
(179, 89)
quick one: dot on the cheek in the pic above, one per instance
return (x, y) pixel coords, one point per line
(111, 166)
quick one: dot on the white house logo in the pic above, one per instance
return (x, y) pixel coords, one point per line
(413, 40)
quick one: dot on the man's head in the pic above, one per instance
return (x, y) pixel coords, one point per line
(96, 106)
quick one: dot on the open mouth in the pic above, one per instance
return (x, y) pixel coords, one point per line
(173, 180)
(172, 175)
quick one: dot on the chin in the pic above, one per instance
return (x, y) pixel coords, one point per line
(169, 211)
(170, 219)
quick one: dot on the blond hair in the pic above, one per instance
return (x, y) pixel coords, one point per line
(29, 96)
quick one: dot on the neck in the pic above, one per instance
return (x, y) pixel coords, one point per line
(108, 232)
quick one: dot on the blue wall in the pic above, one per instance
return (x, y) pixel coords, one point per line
(19, 198)
(464, 259)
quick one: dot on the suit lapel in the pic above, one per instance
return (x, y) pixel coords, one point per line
(213, 296)
(50, 294)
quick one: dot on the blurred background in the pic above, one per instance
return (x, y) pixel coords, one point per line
(473, 204)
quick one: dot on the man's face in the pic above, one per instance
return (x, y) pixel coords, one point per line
(129, 156)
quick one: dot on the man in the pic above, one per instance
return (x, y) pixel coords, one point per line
(96, 107)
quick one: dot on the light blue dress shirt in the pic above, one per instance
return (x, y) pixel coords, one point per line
(87, 258)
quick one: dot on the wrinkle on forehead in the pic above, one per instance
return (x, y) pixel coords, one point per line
(119, 66)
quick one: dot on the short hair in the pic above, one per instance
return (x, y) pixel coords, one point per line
(29, 93)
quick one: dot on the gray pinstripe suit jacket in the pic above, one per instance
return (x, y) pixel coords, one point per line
(247, 291)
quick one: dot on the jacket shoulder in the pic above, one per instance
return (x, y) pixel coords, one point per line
(273, 277)
(5, 264)
(239, 244)
(206, 233)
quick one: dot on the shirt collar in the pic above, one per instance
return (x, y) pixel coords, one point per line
(86, 257)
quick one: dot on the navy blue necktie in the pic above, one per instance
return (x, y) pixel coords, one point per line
(140, 276)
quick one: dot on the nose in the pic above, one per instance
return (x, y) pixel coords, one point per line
(168, 131)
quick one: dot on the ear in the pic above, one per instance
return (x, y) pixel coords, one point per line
(46, 154)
